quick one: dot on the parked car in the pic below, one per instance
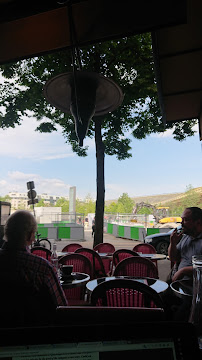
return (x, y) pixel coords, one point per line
(161, 241)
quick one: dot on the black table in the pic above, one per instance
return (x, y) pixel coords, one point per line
(182, 288)
(76, 279)
(158, 285)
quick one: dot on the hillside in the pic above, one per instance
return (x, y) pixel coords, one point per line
(160, 199)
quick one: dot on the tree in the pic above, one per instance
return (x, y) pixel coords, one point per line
(5, 198)
(127, 203)
(85, 207)
(64, 204)
(111, 208)
(41, 203)
(144, 210)
(129, 63)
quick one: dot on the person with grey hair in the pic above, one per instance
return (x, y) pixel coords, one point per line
(21, 268)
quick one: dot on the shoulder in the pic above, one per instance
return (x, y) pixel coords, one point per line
(37, 261)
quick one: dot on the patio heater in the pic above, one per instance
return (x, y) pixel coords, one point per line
(83, 94)
(5, 210)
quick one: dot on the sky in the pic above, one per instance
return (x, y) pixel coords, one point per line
(159, 165)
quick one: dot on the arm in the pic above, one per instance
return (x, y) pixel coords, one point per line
(188, 271)
(173, 252)
(55, 289)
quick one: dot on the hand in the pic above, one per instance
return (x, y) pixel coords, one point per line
(175, 237)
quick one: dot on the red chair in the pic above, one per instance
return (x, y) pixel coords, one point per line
(71, 247)
(42, 252)
(125, 293)
(146, 249)
(76, 295)
(122, 254)
(136, 266)
(104, 248)
(96, 261)
(109, 249)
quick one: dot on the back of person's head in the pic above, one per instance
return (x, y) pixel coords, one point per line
(19, 228)
(196, 213)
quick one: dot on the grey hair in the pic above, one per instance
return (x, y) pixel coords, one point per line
(19, 227)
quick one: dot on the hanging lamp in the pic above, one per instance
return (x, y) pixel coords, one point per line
(83, 94)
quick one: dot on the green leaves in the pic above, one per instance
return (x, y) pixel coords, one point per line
(128, 61)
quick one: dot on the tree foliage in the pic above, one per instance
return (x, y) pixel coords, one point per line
(82, 207)
(127, 61)
(5, 198)
(124, 205)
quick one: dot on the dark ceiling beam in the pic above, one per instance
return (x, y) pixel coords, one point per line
(30, 29)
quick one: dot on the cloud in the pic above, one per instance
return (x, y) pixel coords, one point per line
(16, 181)
(23, 142)
(169, 133)
(113, 191)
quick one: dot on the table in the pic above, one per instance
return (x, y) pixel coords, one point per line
(62, 253)
(76, 279)
(156, 284)
(106, 255)
(153, 256)
(182, 288)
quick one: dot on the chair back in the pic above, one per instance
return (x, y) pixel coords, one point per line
(42, 252)
(23, 305)
(71, 247)
(146, 249)
(104, 248)
(107, 262)
(80, 264)
(95, 259)
(122, 254)
(136, 266)
(125, 293)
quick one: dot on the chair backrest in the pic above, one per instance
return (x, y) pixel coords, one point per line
(95, 259)
(136, 266)
(22, 305)
(145, 248)
(121, 254)
(125, 293)
(80, 263)
(105, 248)
(41, 251)
(71, 247)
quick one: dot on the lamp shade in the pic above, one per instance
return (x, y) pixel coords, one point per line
(84, 95)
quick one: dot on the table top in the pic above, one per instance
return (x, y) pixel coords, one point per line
(153, 256)
(74, 280)
(156, 284)
(182, 288)
(110, 255)
(106, 255)
(62, 253)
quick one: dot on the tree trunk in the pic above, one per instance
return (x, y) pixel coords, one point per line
(99, 212)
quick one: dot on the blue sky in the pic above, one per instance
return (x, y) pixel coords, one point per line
(159, 165)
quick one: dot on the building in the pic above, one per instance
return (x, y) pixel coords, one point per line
(19, 200)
